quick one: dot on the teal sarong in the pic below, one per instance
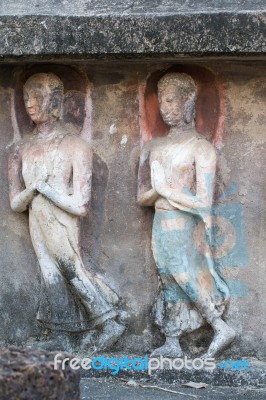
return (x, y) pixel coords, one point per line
(192, 290)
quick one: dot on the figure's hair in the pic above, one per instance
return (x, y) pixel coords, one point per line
(187, 88)
(56, 88)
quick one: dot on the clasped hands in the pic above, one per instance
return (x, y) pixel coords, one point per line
(176, 195)
(39, 184)
(158, 180)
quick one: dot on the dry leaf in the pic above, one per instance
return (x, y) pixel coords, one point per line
(196, 385)
(131, 382)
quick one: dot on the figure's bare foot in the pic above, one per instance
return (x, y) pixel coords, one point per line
(110, 334)
(171, 349)
(224, 335)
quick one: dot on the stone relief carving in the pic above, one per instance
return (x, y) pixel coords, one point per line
(177, 177)
(50, 175)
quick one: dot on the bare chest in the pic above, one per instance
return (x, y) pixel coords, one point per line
(46, 159)
(177, 160)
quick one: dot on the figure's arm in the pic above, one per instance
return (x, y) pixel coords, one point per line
(78, 202)
(147, 195)
(201, 203)
(20, 197)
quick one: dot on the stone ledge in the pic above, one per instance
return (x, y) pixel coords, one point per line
(126, 7)
(174, 35)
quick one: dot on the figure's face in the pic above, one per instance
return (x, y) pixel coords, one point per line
(171, 105)
(37, 101)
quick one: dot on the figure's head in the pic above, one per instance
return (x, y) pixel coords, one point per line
(177, 98)
(43, 96)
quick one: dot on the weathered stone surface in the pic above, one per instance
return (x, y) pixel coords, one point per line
(116, 236)
(92, 29)
(30, 375)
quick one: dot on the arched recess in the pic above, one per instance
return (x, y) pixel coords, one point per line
(76, 112)
(210, 106)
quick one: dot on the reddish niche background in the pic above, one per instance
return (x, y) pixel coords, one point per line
(209, 106)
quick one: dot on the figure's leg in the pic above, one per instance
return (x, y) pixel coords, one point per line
(177, 256)
(171, 348)
(179, 317)
(223, 336)
(98, 306)
(223, 333)
(110, 333)
(68, 284)
(93, 299)
(202, 292)
(50, 309)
